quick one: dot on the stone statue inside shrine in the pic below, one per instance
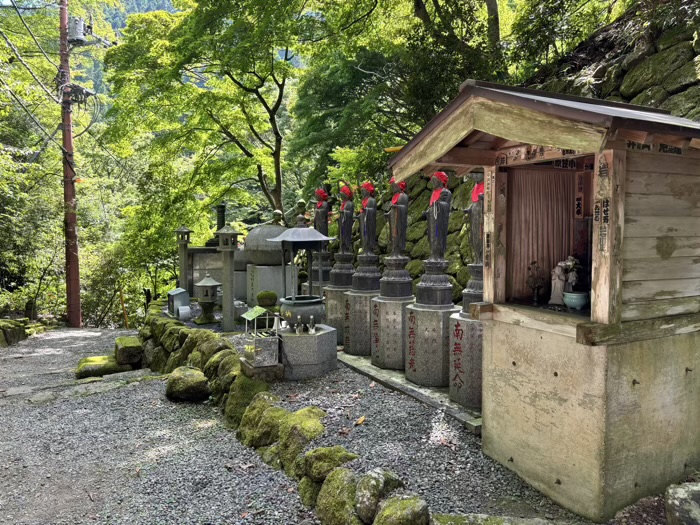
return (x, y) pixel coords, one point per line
(438, 215)
(476, 218)
(368, 218)
(558, 282)
(398, 218)
(345, 219)
(323, 210)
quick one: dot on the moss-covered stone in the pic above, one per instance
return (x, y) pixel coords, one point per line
(641, 51)
(195, 360)
(211, 368)
(462, 276)
(171, 338)
(160, 324)
(383, 238)
(268, 429)
(221, 385)
(187, 384)
(403, 510)
(240, 395)
(612, 79)
(456, 289)
(3, 341)
(128, 350)
(416, 231)
(655, 69)
(145, 333)
(335, 504)
(461, 198)
(159, 359)
(676, 34)
(421, 250)
(371, 489)
(271, 456)
(683, 103)
(266, 298)
(295, 432)
(253, 414)
(308, 491)
(98, 366)
(211, 346)
(318, 463)
(418, 205)
(652, 97)
(415, 268)
(684, 77)
(456, 222)
(450, 519)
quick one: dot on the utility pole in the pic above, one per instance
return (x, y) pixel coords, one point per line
(75, 315)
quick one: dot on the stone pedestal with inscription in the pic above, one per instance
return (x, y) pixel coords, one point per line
(308, 355)
(465, 360)
(428, 344)
(357, 333)
(335, 309)
(341, 282)
(388, 329)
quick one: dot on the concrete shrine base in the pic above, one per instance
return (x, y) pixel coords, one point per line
(595, 428)
(388, 328)
(357, 333)
(308, 355)
(465, 360)
(428, 344)
(335, 309)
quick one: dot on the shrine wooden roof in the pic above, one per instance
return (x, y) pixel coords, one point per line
(485, 118)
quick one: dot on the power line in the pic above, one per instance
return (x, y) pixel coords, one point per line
(32, 34)
(31, 115)
(16, 52)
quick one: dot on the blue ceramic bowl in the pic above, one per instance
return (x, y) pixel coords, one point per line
(576, 300)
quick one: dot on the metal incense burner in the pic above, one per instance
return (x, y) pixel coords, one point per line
(301, 309)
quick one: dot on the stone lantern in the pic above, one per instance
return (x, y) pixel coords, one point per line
(228, 242)
(206, 293)
(183, 239)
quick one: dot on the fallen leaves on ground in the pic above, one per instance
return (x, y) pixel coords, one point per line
(361, 421)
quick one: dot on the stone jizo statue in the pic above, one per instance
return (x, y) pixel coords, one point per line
(322, 212)
(368, 218)
(558, 282)
(438, 214)
(398, 218)
(345, 219)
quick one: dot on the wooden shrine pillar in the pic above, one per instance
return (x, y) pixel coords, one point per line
(495, 201)
(608, 229)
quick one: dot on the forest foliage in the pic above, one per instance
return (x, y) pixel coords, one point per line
(247, 102)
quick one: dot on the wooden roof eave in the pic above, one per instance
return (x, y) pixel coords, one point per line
(503, 116)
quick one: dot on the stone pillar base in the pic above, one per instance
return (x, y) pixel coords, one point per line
(388, 328)
(357, 333)
(465, 360)
(335, 309)
(306, 355)
(428, 344)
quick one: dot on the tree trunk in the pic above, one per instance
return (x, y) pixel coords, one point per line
(494, 28)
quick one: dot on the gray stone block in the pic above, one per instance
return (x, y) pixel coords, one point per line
(357, 332)
(465, 360)
(335, 310)
(262, 278)
(388, 328)
(428, 344)
(240, 285)
(308, 355)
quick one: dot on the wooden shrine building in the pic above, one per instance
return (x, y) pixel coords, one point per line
(600, 408)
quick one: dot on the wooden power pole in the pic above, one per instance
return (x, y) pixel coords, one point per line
(75, 315)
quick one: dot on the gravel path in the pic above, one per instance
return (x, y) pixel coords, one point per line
(122, 456)
(117, 452)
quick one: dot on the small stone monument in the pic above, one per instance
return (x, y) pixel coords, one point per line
(465, 333)
(396, 289)
(365, 280)
(343, 270)
(427, 331)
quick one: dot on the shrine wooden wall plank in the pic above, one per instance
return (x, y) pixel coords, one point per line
(661, 248)
(489, 274)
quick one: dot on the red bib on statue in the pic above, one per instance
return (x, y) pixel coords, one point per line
(435, 196)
